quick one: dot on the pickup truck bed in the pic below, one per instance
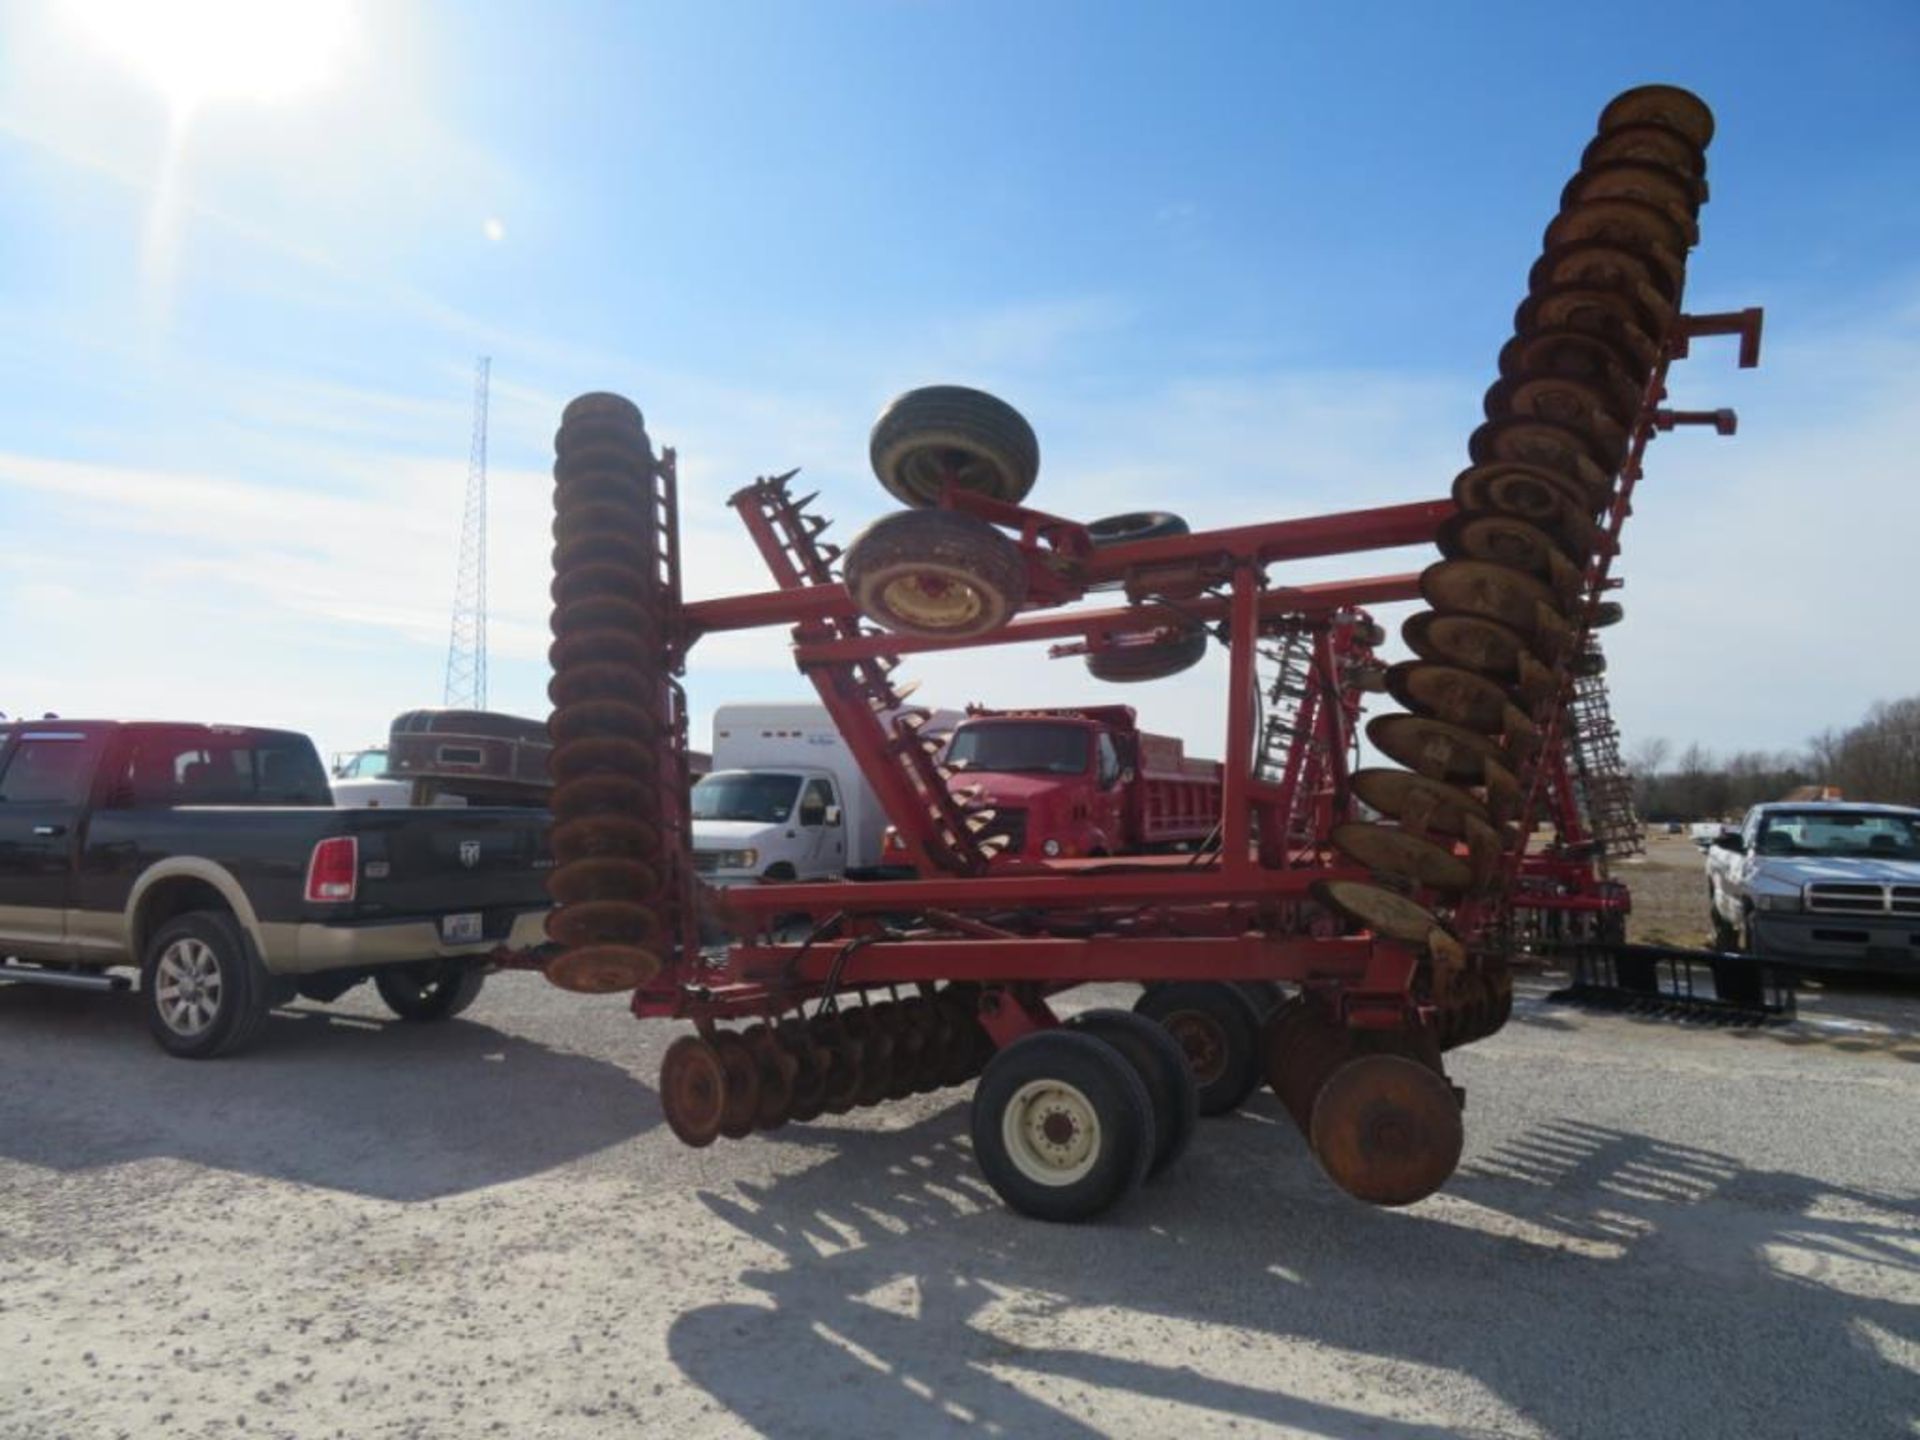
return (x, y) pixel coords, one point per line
(103, 855)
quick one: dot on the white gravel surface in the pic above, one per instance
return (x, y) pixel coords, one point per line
(364, 1229)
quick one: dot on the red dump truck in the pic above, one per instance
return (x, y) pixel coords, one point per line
(1084, 781)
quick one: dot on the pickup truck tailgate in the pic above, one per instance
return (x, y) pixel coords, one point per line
(448, 859)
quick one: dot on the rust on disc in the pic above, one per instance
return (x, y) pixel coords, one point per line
(693, 1090)
(603, 969)
(742, 1097)
(1655, 145)
(1551, 447)
(1433, 748)
(1493, 592)
(604, 878)
(1669, 106)
(1304, 1045)
(603, 922)
(1658, 185)
(1501, 540)
(1552, 502)
(1387, 1129)
(1593, 266)
(1384, 912)
(1558, 400)
(1576, 356)
(777, 1072)
(1624, 224)
(1457, 696)
(1603, 314)
(1417, 802)
(841, 1088)
(810, 1064)
(1393, 851)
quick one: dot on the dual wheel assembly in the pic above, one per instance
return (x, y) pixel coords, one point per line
(947, 574)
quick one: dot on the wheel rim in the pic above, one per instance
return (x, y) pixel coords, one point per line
(1051, 1132)
(932, 601)
(1205, 1041)
(187, 987)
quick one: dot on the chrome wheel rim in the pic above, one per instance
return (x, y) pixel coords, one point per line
(187, 986)
(1051, 1132)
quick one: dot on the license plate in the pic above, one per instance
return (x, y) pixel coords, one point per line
(461, 929)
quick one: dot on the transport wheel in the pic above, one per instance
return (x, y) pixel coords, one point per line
(1132, 528)
(1217, 1028)
(431, 989)
(948, 432)
(742, 1102)
(1162, 1066)
(1132, 663)
(937, 573)
(1387, 1129)
(693, 1090)
(203, 990)
(1062, 1126)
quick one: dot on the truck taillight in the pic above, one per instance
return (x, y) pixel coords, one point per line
(333, 874)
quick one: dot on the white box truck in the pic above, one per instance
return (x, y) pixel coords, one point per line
(785, 800)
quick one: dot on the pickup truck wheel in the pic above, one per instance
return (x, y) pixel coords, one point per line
(948, 432)
(1725, 937)
(204, 992)
(935, 572)
(430, 990)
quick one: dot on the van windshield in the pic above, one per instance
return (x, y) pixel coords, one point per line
(1840, 833)
(745, 795)
(1020, 747)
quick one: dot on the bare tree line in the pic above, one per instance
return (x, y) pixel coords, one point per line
(1877, 759)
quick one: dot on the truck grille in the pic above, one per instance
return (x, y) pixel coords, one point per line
(1013, 825)
(705, 862)
(1852, 897)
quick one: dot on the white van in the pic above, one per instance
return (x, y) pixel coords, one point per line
(785, 800)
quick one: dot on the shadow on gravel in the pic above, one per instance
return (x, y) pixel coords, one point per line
(370, 1106)
(1584, 1281)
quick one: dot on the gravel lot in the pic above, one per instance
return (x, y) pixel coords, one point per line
(365, 1229)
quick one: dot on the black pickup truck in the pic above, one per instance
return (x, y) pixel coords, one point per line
(212, 858)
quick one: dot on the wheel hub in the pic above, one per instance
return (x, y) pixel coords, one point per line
(1052, 1132)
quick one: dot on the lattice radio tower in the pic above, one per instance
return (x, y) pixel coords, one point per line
(467, 648)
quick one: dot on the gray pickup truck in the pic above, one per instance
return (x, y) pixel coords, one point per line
(212, 859)
(1820, 885)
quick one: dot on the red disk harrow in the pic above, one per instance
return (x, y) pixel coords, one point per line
(1344, 928)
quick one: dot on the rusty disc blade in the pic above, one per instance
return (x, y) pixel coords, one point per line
(1434, 748)
(1540, 497)
(1393, 851)
(876, 1055)
(810, 1065)
(1590, 266)
(1551, 447)
(1625, 178)
(1602, 314)
(1384, 912)
(1493, 592)
(1577, 356)
(777, 1071)
(1446, 692)
(1655, 145)
(1624, 224)
(1417, 802)
(693, 1090)
(1669, 106)
(742, 1102)
(1501, 540)
(1558, 400)
(602, 969)
(841, 1089)
(1304, 1046)
(1387, 1129)
(1483, 646)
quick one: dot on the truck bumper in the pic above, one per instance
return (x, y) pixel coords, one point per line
(307, 947)
(1881, 944)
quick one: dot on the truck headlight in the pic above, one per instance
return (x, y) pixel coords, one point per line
(1050, 847)
(1786, 900)
(739, 859)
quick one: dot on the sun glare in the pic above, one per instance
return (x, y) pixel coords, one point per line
(197, 52)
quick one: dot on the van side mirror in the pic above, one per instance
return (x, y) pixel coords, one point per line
(1730, 840)
(833, 815)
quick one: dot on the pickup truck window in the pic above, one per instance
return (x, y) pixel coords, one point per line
(53, 769)
(1037, 748)
(201, 769)
(1839, 833)
(745, 795)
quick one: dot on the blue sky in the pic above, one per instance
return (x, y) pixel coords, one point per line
(1242, 261)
